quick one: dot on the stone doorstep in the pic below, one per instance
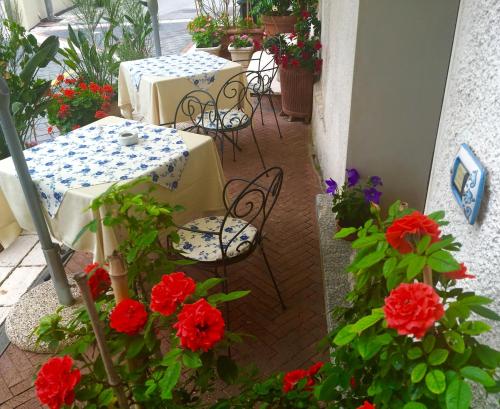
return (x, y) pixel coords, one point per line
(14, 254)
(18, 282)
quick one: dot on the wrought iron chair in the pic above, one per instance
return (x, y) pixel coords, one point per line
(216, 242)
(224, 114)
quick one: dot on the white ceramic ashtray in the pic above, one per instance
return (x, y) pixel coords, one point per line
(128, 137)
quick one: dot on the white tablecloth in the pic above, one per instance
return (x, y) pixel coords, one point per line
(152, 94)
(199, 191)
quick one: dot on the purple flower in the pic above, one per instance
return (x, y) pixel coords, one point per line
(352, 177)
(376, 181)
(331, 186)
(372, 195)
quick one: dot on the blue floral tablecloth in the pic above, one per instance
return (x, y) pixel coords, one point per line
(92, 155)
(199, 67)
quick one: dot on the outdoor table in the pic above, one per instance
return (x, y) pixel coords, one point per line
(151, 89)
(193, 174)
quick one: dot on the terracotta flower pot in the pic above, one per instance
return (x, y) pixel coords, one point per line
(210, 50)
(241, 54)
(279, 24)
(297, 92)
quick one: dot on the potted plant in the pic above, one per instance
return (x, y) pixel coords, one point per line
(206, 34)
(241, 49)
(351, 202)
(276, 16)
(75, 103)
(300, 63)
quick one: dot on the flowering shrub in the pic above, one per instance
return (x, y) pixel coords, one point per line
(74, 103)
(205, 31)
(98, 279)
(351, 202)
(240, 41)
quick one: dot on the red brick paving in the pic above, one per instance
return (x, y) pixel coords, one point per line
(283, 340)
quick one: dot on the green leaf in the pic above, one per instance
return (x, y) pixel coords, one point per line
(171, 357)
(429, 342)
(221, 297)
(414, 405)
(370, 259)
(442, 262)
(135, 347)
(368, 346)
(415, 267)
(418, 372)
(423, 244)
(458, 395)
(438, 245)
(203, 287)
(435, 381)
(345, 335)
(455, 341)
(105, 397)
(328, 389)
(227, 369)
(389, 266)
(477, 375)
(414, 353)
(191, 359)
(437, 357)
(367, 322)
(489, 357)
(169, 380)
(474, 327)
(485, 312)
(367, 241)
(475, 300)
(343, 233)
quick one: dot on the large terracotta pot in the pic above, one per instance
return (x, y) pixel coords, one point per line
(279, 24)
(297, 92)
(257, 34)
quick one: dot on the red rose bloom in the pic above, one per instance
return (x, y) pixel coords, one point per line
(367, 405)
(412, 309)
(199, 326)
(98, 279)
(128, 317)
(313, 370)
(459, 274)
(292, 378)
(171, 291)
(69, 93)
(100, 114)
(404, 233)
(56, 381)
(107, 88)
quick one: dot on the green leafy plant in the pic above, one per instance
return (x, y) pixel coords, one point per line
(351, 202)
(20, 59)
(271, 8)
(205, 31)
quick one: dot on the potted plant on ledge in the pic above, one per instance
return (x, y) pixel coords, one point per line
(241, 49)
(352, 201)
(206, 34)
(276, 16)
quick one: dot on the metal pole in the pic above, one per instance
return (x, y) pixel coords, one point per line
(153, 11)
(49, 9)
(113, 378)
(50, 250)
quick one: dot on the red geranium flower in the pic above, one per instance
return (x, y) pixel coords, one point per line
(199, 326)
(295, 63)
(305, 55)
(82, 86)
(404, 233)
(300, 44)
(459, 274)
(107, 88)
(257, 45)
(305, 14)
(56, 381)
(100, 114)
(75, 126)
(171, 291)
(94, 87)
(128, 317)
(50, 129)
(352, 382)
(105, 106)
(98, 278)
(69, 93)
(60, 78)
(318, 64)
(284, 60)
(367, 405)
(292, 378)
(70, 81)
(412, 309)
(317, 45)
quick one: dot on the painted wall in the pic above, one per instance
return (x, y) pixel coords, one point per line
(32, 11)
(332, 94)
(471, 114)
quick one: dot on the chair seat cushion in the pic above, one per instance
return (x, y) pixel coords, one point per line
(206, 246)
(234, 118)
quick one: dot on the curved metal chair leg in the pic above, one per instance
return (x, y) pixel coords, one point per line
(258, 148)
(272, 276)
(274, 112)
(259, 99)
(234, 146)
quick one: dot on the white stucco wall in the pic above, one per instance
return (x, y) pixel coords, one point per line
(32, 11)
(471, 114)
(332, 95)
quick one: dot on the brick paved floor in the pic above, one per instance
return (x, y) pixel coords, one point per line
(284, 340)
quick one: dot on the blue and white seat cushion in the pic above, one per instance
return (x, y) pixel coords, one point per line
(203, 246)
(233, 118)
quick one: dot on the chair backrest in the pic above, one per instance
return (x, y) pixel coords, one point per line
(253, 202)
(191, 106)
